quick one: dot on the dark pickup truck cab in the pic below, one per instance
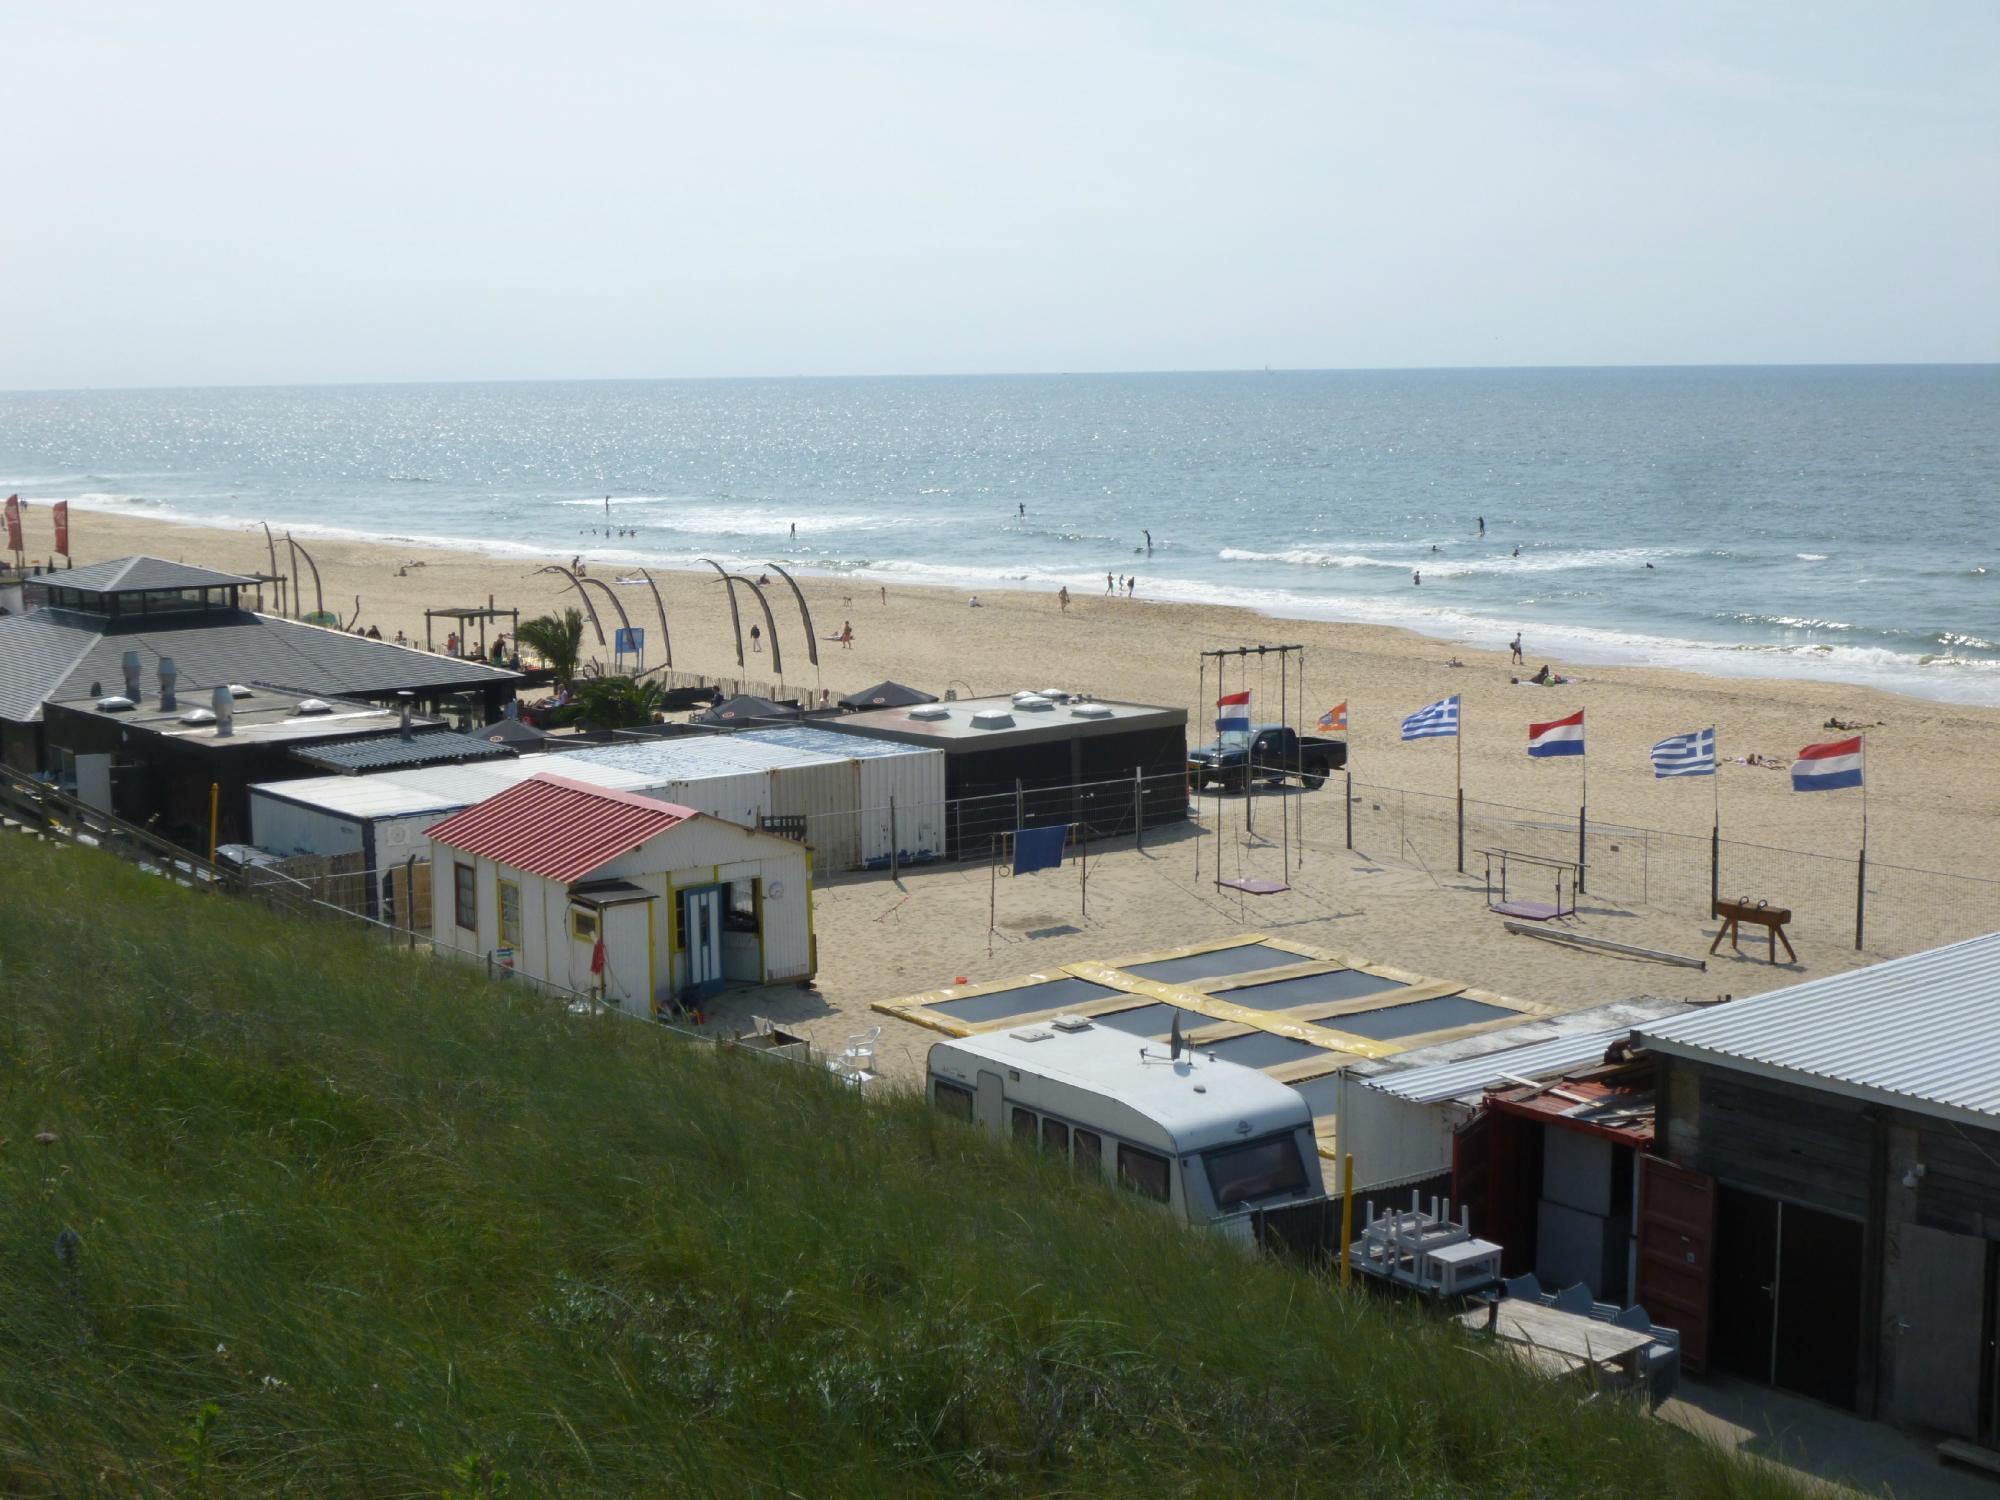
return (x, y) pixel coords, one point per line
(1272, 753)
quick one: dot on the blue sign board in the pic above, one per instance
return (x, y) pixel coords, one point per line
(629, 640)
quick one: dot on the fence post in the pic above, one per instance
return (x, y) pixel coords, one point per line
(895, 872)
(1860, 897)
(1138, 809)
(1020, 805)
(1350, 810)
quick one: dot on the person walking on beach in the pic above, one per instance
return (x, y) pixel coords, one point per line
(1110, 587)
(1063, 594)
(847, 635)
(1515, 647)
(756, 639)
(885, 594)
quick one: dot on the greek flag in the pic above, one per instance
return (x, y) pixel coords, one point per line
(1439, 721)
(1686, 755)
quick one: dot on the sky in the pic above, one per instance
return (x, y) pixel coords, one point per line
(220, 193)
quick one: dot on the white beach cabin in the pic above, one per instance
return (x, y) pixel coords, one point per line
(626, 897)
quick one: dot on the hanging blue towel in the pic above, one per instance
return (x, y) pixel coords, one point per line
(1039, 848)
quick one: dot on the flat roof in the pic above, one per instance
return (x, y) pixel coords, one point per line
(436, 789)
(1200, 1099)
(691, 757)
(265, 716)
(828, 742)
(962, 728)
(1920, 1033)
(434, 747)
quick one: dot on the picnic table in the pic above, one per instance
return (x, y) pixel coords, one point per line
(1563, 1342)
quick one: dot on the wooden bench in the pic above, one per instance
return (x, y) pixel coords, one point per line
(1758, 914)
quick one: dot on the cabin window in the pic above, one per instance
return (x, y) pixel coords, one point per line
(465, 897)
(510, 914)
(1145, 1172)
(1254, 1170)
(583, 924)
(1088, 1152)
(740, 913)
(953, 1100)
(1024, 1126)
(1055, 1137)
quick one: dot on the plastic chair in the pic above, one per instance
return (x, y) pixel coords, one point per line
(858, 1056)
(1634, 1318)
(1528, 1288)
(1574, 1299)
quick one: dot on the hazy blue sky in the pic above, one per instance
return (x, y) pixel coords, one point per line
(205, 192)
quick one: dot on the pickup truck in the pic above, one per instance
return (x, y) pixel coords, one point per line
(1274, 749)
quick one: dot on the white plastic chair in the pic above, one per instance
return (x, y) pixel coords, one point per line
(858, 1056)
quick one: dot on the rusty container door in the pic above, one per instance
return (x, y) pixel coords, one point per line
(1676, 1252)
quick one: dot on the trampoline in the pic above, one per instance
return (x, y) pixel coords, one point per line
(1262, 1049)
(1052, 994)
(1156, 1019)
(1419, 1015)
(1218, 963)
(1329, 988)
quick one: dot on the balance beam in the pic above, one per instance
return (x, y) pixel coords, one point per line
(1607, 946)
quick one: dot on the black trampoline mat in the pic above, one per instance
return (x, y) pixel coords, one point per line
(1156, 1019)
(1051, 994)
(1243, 959)
(1311, 989)
(1420, 1015)
(1262, 1049)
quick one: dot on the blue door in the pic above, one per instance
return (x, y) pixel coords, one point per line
(701, 922)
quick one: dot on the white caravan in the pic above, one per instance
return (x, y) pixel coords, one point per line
(1212, 1140)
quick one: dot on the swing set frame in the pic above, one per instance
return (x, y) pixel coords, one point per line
(1294, 808)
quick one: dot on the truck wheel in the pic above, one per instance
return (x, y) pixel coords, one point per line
(1314, 780)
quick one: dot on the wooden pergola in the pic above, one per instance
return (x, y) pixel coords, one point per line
(463, 615)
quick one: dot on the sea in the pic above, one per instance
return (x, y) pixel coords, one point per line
(1836, 523)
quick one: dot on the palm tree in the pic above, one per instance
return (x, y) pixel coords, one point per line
(556, 639)
(613, 703)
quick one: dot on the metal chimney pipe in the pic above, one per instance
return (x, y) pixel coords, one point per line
(406, 696)
(130, 662)
(169, 674)
(225, 712)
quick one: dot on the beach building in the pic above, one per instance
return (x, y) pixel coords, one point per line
(1827, 1210)
(89, 625)
(625, 897)
(1036, 758)
(178, 763)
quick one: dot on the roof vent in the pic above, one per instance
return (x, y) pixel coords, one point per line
(117, 703)
(1089, 711)
(1033, 1034)
(198, 716)
(314, 706)
(1071, 1023)
(992, 718)
(1033, 703)
(238, 690)
(1055, 695)
(930, 713)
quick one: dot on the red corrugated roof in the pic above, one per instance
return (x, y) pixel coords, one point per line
(560, 829)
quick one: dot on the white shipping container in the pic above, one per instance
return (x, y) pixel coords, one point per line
(912, 776)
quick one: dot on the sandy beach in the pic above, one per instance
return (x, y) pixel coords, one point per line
(1933, 772)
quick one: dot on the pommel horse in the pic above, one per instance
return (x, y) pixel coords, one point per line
(1758, 914)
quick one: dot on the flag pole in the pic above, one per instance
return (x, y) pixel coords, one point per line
(1715, 837)
(1458, 746)
(1861, 865)
(1582, 810)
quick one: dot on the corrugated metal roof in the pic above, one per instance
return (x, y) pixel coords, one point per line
(426, 749)
(126, 575)
(557, 828)
(58, 653)
(827, 742)
(1474, 1075)
(1924, 1031)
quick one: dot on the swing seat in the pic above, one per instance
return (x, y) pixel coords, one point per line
(1250, 885)
(1532, 911)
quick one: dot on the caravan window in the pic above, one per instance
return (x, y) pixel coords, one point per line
(1024, 1126)
(1253, 1170)
(1055, 1137)
(1144, 1172)
(1089, 1151)
(953, 1100)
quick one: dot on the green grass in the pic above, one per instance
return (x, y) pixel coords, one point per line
(351, 1222)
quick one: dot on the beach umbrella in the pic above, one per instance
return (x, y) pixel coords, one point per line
(886, 695)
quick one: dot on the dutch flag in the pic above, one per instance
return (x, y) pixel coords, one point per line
(1439, 721)
(1557, 737)
(1233, 711)
(1829, 767)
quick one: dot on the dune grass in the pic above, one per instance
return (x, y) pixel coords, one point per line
(321, 1218)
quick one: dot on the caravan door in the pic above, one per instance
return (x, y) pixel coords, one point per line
(701, 921)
